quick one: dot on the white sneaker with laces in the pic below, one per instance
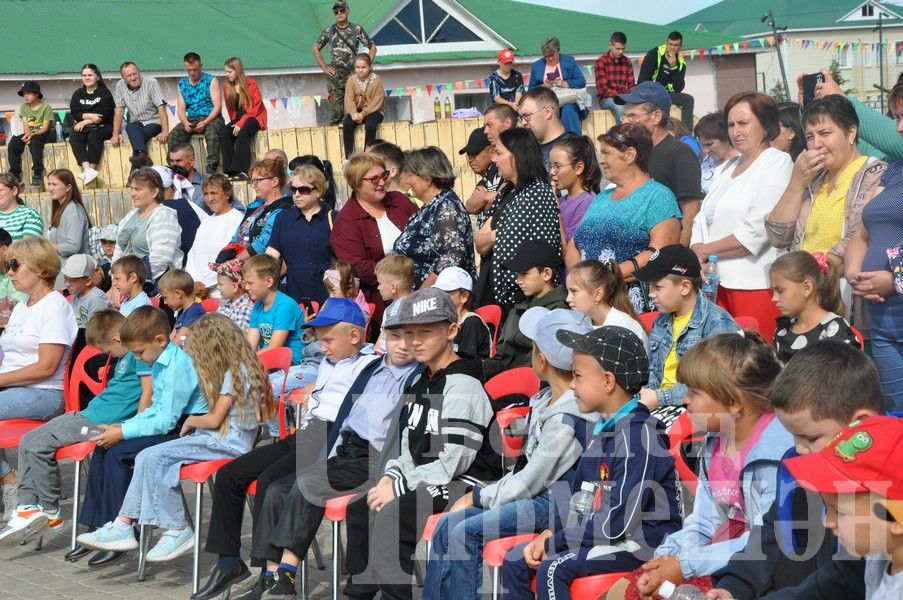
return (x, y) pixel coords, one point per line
(172, 543)
(110, 537)
(89, 175)
(26, 521)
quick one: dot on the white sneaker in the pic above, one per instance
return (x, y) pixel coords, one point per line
(26, 521)
(172, 543)
(89, 175)
(10, 500)
(110, 537)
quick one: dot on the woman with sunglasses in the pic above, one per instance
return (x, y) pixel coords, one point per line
(300, 235)
(635, 218)
(35, 344)
(366, 228)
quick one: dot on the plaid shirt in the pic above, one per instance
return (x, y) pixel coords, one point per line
(238, 310)
(613, 77)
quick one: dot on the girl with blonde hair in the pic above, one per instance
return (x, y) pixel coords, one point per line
(247, 116)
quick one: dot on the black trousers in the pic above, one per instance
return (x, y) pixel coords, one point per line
(267, 465)
(35, 147)
(294, 505)
(381, 544)
(87, 144)
(371, 122)
(687, 103)
(237, 148)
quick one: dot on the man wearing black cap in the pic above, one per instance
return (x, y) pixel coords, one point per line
(479, 159)
(672, 162)
(37, 116)
(536, 266)
(346, 40)
(687, 317)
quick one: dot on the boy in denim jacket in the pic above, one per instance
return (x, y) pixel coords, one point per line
(686, 318)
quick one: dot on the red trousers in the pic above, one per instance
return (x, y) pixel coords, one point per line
(751, 303)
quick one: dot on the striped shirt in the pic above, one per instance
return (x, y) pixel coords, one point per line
(142, 102)
(23, 221)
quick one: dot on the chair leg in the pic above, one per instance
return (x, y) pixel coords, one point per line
(318, 555)
(336, 550)
(76, 496)
(302, 577)
(495, 583)
(418, 574)
(196, 553)
(143, 542)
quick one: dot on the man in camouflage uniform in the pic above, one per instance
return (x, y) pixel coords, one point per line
(343, 38)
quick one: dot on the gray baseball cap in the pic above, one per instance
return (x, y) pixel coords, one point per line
(541, 324)
(429, 305)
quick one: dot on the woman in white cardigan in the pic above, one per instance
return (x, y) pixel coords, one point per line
(731, 221)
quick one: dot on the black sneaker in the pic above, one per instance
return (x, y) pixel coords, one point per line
(256, 591)
(142, 159)
(284, 586)
(37, 181)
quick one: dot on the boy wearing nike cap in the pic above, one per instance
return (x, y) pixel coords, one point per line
(858, 475)
(626, 464)
(519, 502)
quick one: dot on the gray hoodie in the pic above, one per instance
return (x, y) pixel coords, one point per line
(556, 434)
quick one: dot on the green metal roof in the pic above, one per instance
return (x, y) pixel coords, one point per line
(743, 17)
(58, 36)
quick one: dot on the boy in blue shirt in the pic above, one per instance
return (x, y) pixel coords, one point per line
(128, 392)
(176, 287)
(175, 396)
(276, 319)
(626, 464)
(128, 274)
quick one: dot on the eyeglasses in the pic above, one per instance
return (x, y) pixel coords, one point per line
(256, 181)
(557, 167)
(384, 176)
(304, 190)
(11, 265)
(525, 117)
(634, 116)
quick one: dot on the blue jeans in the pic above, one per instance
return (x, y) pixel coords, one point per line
(886, 328)
(462, 535)
(616, 109)
(28, 403)
(570, 118)
(138, 134)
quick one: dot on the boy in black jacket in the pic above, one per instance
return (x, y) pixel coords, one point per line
(821, 389)
(444, 447)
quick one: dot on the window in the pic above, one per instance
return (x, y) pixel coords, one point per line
(845, 57)
(868, 10)
(423, 22)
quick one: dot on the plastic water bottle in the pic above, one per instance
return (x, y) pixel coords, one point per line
(685, 591)
(58, 128)
(91, 432)
(711, 279)
(581, 506)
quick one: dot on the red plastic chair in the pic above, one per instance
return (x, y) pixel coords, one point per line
(859, 338)
(679, 432)
(594, 586)
(280, 359)
(155, 301)
(372, 308)
(750, 323)
(314, 308)
(647, 318)
(511, 444)
(494, 555)
(210, 305)
(520, 380)
(336, 512)
(492, 314)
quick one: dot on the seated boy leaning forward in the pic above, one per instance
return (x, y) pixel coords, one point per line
(175, 396)
(78, 275)
(791, 556)
(338, 326)
(445, 448)
(858, 475)
(537, 265)
(296, 505)
(176, 287)
(128, 392)
(686, 318)
(627, 466)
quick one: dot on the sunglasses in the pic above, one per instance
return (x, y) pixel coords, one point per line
(384, 176)
(304, 190)
(337, 11)
(11, 265)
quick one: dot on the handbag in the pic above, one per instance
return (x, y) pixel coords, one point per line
(566, 95)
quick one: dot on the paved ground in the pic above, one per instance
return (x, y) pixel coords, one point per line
(27, 574)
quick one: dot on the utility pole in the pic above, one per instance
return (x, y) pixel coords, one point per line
(880, 30)
(769, 19)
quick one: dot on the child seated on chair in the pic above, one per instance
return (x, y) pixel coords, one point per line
(341, 282)
(276, 319)
(537, 265)
(394, 281)
(128, 391)
(175, 396)
(78, 274)
(176, 288)
(518, 503)
(826, 386)
(626, 465)
(445, 447)
(474, 340)
(128, 276)
(728, 378)
(687, 317)
(238, 396)
(235, 301)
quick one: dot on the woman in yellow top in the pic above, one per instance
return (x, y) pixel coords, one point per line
(365, 100)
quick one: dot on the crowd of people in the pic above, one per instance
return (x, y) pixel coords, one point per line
(597, 259)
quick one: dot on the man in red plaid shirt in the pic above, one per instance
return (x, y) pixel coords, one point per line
(614, 75)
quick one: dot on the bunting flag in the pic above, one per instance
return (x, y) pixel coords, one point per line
(388, 92)
(172, 109)
(318, 99)
(61, 114)
(429, 89)
(273, 102)
(296, 101)
(9, 115)
(285, 103)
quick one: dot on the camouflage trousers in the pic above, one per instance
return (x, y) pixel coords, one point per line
(335, 87)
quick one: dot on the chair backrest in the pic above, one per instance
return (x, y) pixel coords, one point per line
(647, 318)
(309, 307)
(859, 338)
(520, 381)
(210, 304)
(751, 323)
(511, 444)
(492, 314)
(78, 376)
(372, 308)
(155, 301)
(681, 429)
(280, 359)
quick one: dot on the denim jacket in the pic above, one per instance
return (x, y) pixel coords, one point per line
(708, 319)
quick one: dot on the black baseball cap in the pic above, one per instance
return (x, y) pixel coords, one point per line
(476, 142)
(618, 350)
(31, 86)
(533, 253)
(670, 260)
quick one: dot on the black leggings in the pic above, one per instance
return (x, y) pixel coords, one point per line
(87, 144)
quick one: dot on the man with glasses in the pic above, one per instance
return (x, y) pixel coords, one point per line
(346, 40)
(539, 113)
(672, 162)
